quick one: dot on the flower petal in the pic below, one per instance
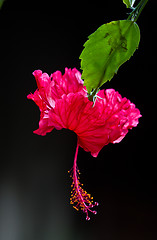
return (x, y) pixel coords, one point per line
(42, 79)
(70, 82)
(63, 103)
(107, 122)
(43, 127)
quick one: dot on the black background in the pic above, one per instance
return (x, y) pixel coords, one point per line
(34, 182)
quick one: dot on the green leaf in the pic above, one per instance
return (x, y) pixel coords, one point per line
(107, 49)
(129, 3)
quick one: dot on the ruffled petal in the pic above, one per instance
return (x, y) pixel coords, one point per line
(38, 98)
(63, 103)
(42, 79)
(52, 88)
(76, 113)
(43, 127)
(70, 82)
(107, 122)
(119, 112)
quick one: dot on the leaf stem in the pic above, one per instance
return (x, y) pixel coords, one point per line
(134, 15)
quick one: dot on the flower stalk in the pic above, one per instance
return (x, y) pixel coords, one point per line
(134, 15)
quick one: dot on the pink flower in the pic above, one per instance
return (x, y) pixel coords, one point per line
(64, 103)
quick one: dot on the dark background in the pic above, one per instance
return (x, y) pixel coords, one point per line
(34, 180)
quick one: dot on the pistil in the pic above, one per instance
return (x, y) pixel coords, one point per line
(79, 197)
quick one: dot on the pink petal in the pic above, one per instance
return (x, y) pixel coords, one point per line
(63, 103)
(43, 127)
(50, 90)
(42, 79)
(37, 98)
(70, 82)
(107, 122)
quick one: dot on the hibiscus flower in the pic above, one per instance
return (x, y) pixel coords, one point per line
(63, 103)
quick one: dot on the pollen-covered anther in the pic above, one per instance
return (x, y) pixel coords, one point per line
(80, 199)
